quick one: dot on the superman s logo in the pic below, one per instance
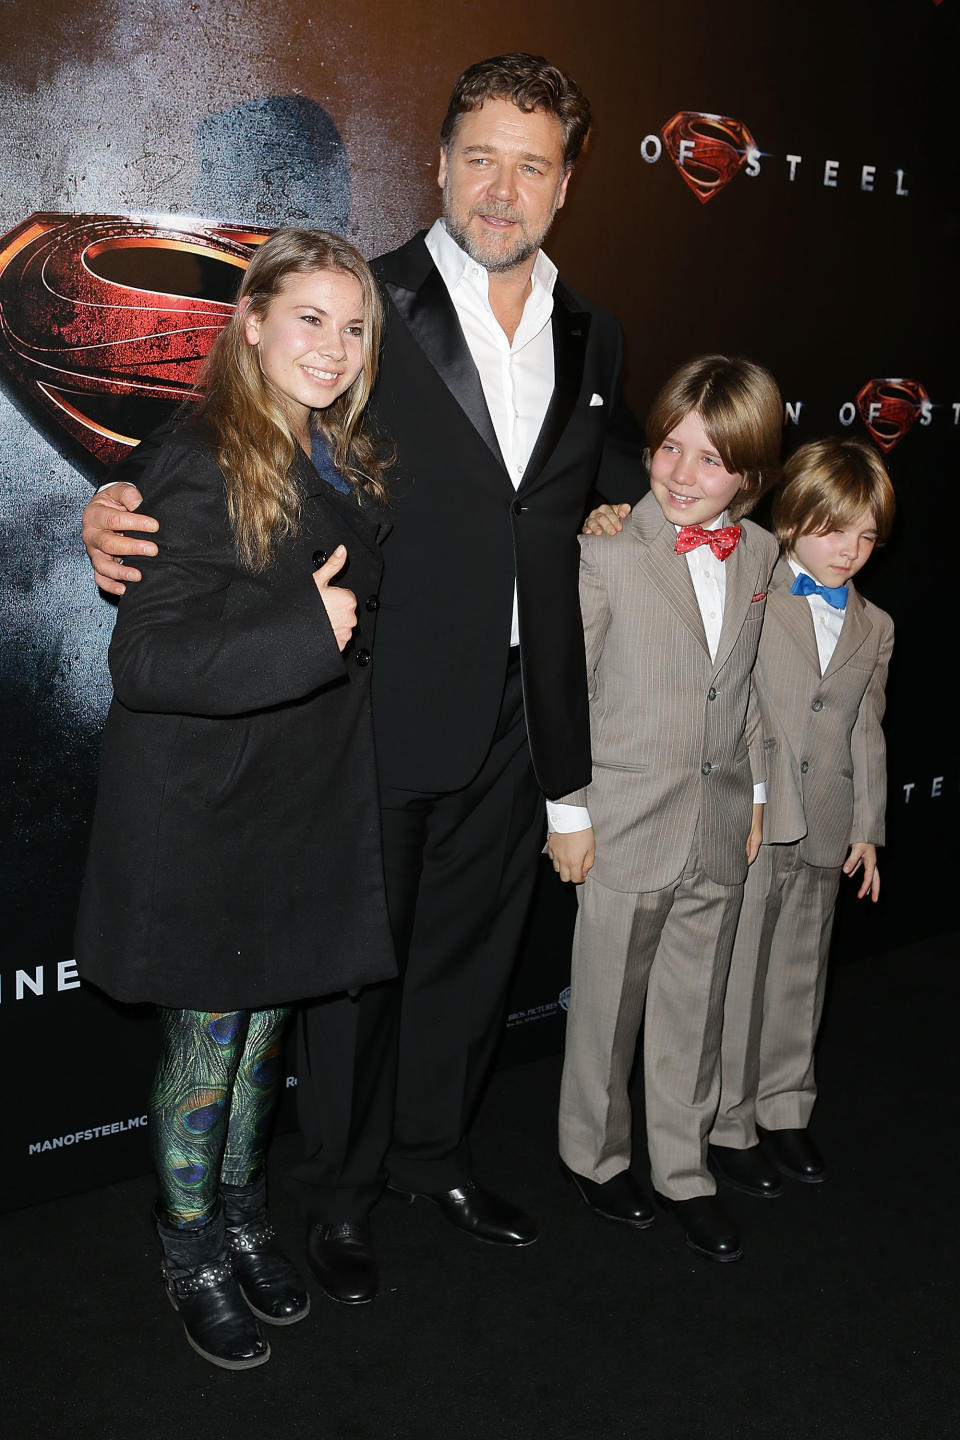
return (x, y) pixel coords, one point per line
(106, 319)
(708, 150)
(889, 408)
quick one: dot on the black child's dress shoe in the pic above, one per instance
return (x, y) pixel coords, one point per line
(619, 1199)
(795, 1155)
(708, 1229)
(746, 1170)
(342, 1258)
(480, 1213)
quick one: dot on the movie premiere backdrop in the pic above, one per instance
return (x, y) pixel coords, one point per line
(776, 181)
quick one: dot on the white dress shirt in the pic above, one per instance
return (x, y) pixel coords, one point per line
(710, 587)
(827, 619)
(516, 375)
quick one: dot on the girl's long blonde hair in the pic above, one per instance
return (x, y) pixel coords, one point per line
(254, 443)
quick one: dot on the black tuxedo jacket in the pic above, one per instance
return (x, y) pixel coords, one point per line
(462, 534)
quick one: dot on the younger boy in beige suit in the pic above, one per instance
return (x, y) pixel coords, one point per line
(820, 679)
(672, 611)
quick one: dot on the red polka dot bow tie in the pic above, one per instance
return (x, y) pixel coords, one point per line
(722, 542)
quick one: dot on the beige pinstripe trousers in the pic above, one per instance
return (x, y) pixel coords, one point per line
(775, 996)
(670, 947)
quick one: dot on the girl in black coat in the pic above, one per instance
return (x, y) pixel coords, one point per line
(234, 864)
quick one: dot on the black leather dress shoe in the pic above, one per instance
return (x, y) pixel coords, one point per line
(341, 1257)
(708, 1229)
(618, 1199)
(795, 1155)
(480, 1213)
(745, 1170)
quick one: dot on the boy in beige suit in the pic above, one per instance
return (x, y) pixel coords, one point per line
(820, 678)
(672, 610)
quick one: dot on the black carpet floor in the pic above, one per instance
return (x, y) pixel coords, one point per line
(841, 1321)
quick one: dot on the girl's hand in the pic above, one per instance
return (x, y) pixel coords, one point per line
(340, 604)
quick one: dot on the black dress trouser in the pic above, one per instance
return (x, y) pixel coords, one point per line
(390, 1080)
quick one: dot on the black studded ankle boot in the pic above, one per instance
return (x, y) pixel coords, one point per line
(271, 1286)
(202, 1287)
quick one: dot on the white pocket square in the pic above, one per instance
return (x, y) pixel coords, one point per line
(596, 399)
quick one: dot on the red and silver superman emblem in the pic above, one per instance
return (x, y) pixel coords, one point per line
(105, 319)
(708, 150)
(889, 408)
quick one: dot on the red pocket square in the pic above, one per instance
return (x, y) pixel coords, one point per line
(760, 595)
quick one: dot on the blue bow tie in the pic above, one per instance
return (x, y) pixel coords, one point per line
(835, 596)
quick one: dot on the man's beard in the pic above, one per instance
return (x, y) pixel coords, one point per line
(526, 244)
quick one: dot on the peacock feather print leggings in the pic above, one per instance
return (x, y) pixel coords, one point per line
(212, 1103)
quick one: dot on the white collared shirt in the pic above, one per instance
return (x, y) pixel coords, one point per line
(827, 619)
(517, 376)
(709, 578)
(710, 587)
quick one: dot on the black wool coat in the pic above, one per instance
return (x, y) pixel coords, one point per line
(235, 850)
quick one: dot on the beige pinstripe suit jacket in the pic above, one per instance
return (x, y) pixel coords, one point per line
(675, 735)
(824, 747)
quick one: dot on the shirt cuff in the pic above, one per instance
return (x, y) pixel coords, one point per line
(565, 819)
(107, 486)
(760, 793)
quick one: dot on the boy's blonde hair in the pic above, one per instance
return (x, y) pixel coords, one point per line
(828, 482)
(741, 409)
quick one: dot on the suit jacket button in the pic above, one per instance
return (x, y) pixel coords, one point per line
(817, 705)
(320, 557)
(363, 657)
(804, 766)
(518, 508)
(706, 768)
(373, 602)
(711, 693)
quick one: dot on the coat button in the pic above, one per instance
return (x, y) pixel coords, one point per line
(518, 508)
(711, 693)
(804, 766)
(373, 602)
(320, 557)
(706, 768)
(363, 657)
(817, 705)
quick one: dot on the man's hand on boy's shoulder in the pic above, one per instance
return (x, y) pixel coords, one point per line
(572, 854)
(862, 853)
(606, 519)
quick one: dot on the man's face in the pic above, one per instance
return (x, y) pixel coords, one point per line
(503, 181)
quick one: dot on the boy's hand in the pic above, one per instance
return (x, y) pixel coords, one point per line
(866, 855)
(109, 512)
(755, 837)
(606, 519)
(572, 854)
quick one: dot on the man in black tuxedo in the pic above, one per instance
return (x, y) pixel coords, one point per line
(501, 389)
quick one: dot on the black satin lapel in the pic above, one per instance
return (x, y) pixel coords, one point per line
(429, 315)
(570, 331)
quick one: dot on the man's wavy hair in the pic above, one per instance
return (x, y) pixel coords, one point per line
(255, 445)
(531, 83)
